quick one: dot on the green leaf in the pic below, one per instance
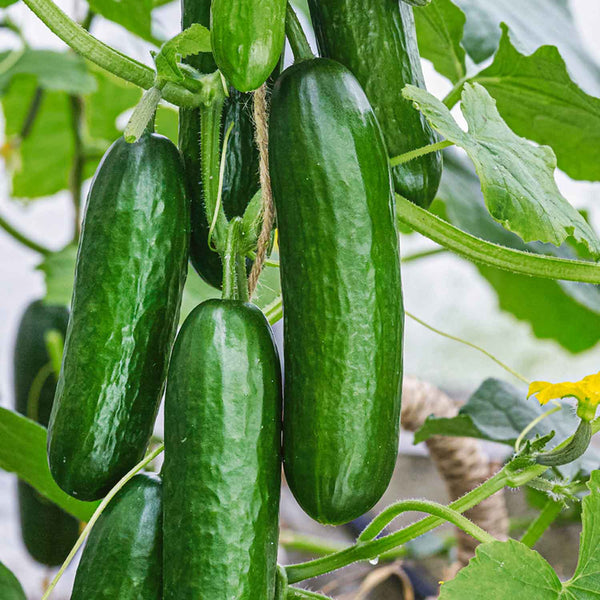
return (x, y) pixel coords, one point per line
(23, 451)
(40, 165)
(567, 312)
(585, 583)
(193, 40)
(533, 23)
(538, 100)
(508, 570)
(504, 571)
(498, 412)
(6, 3)
(440, 28)
(59, 273)
(56, 71)
(134, 15)
(10, 588)
(517, 178)
(112, 98)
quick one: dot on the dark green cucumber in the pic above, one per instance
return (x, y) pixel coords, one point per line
(48, 532)
(222, 456)
(240, 180)
(10, 588)
(247, 39)
(342, 297)
(131, 268)
(122, 559)
(376, 40)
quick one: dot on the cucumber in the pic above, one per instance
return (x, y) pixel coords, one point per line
(342, 296)
(48, 532)
(122, 559)
(240, 179)
(131, 268)
(376, 40)
(247, 39)
(10, 588)
(222, 466)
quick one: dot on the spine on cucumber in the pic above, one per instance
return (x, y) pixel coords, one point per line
(48, 532)
(241, 180)
(376, 40)
(130, 272)
(342, 297)
(122, 559)
(10, 588)
(222, 456)
(247, 39)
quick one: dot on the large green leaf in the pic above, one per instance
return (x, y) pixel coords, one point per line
(57, 71)
(538, 100)
(498, 412)
(504, 571)
(112, 98)
(565, 311)
(40, 165)
(23, 451)
(440, 27)
(533, 23)
(134, 15)
(510, 570)
(517, 178)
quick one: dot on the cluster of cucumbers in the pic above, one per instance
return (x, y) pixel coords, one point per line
(207, 527)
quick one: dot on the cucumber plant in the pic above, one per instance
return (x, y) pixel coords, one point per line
(337, 152)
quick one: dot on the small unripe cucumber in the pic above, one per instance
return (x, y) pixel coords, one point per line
(342, 297)
(122, 559)
(131, 268)
(48, 532)
(222, 456)
(247, 39)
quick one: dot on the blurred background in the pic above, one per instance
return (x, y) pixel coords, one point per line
(443, 290)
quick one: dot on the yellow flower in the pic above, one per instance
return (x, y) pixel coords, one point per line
(586, 391)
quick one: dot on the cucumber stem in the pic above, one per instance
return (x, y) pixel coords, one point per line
(22, 238)
(494, 255)
(296, 36)
(85, 44)
(143, 115)
(234, 282)
(210, 160)
(546, 517)
(55, 345)
(413, 154)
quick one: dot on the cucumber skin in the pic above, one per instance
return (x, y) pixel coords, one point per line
(131, 267)
(247, 39)
(122, 559)
(222, 469)
(376, 40)
(48, 532)
(342, 296)
(10, 588)
(240, 179)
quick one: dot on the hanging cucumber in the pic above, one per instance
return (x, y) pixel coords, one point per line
(222, 456)
(376, 40)
(247, 39)
(240, 180)
(48, 532)
(122, 559)
(342, 297)
(131, 268)
(10, 588)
